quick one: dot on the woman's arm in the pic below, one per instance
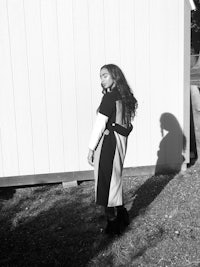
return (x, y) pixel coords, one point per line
(105, 111)
(98, 129)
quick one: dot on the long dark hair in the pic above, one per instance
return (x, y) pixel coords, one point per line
(129, 102)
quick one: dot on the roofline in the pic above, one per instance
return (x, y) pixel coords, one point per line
(192, 4)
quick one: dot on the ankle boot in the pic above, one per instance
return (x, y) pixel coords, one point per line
(123, 217)
(113, 227)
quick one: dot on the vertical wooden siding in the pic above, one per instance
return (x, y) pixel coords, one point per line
(51, 52)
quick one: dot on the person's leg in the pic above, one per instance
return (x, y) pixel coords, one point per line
(117, 220)
(110, 213)
(122, 216)
(112, 227)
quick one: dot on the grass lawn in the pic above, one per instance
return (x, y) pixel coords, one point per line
(51, 226)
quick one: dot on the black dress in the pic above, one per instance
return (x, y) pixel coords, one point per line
(110, 143)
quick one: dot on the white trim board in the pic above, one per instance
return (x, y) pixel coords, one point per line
(193, 7)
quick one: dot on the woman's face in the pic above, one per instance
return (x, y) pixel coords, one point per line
(106, 79)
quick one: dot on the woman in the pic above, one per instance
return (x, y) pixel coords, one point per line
(108, 143)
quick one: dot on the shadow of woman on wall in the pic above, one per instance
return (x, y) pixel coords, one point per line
(169, 162)
(172, 146)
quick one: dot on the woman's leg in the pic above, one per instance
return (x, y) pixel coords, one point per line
(112, 227)
(110, 213)
(117, 220)
(122, 216)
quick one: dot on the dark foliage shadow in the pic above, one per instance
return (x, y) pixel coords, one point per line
(6, 193)
(169, 161)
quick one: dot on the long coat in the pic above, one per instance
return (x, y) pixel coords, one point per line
(109, 140)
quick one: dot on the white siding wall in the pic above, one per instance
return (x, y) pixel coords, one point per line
(50, 55)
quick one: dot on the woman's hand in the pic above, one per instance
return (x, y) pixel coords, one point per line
(90, 157)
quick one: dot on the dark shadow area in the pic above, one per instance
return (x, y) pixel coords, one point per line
(6, 193)
(147, 193)
(193, 146)
(171, 148)
(169, 161)
(53, 227)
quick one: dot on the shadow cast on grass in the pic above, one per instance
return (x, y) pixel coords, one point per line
(169, 161)
(145, 195)
(62, 230)
(6, 193)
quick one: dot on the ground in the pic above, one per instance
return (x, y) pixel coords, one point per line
(52, 226)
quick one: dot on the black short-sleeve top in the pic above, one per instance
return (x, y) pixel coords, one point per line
(108, 104)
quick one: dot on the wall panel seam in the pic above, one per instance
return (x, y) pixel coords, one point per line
(89, 42)
(149, 70)
(13, 88)
(61, 105)
(75, 82)
(119, 34)
(28, 74)
(45, 93)
(134, 63)
(104, 31)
